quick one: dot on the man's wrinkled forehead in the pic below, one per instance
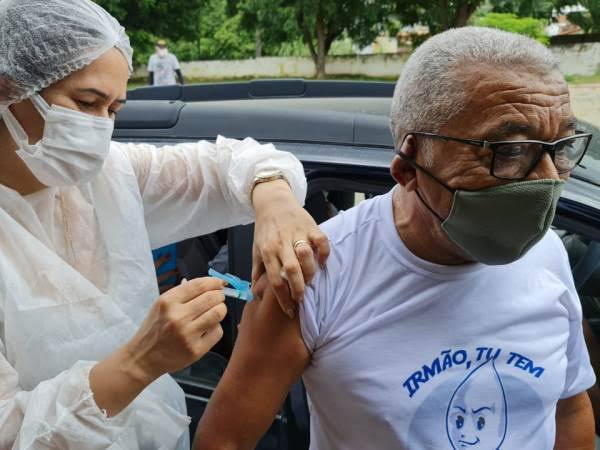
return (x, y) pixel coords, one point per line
(515, 104)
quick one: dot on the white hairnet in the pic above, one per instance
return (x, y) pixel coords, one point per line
(44, 41)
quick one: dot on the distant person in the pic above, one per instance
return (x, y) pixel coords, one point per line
(163, 66)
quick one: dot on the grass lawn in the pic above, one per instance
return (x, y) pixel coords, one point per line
(581, 79)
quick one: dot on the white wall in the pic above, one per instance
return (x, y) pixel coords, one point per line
(576, 59)
(388, 65)
(579, 59)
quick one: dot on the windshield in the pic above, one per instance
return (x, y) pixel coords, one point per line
(590, 166)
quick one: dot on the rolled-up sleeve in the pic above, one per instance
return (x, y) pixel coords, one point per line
(196, 188)
(61, 413)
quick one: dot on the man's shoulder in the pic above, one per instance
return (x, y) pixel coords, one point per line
(550, 257)
(355, 221)
(549, 252)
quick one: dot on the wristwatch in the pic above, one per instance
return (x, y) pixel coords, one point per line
(265, 176)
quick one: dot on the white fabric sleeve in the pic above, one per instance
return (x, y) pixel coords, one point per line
(321, 305)
(308, 311)
(61, 413)
(176, 65)
(197, 188)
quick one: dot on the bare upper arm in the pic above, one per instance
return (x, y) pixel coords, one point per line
(575, 423)
(268, 357)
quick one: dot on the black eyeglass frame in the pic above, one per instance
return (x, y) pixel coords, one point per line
(547, 147)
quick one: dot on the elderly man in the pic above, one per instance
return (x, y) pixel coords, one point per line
(446, 316)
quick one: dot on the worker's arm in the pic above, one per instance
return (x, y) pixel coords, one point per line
(180, 76)
(151, 78)
(575, 424)
(269, 356)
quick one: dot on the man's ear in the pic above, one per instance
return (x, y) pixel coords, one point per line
(402, 171)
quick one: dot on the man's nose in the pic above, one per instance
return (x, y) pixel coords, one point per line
(545, 169)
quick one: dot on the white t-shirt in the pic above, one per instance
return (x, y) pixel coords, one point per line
(407, 354)
(164, 69)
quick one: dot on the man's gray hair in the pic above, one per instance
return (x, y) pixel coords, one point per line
(431, 91)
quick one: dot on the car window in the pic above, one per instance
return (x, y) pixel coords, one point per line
(591, 162)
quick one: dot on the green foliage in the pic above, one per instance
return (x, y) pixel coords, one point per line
(173, 19)
(362, 20)
(194, 29)
(146, 20)
(438, 15)
(272, 23)
(540, 9)
(528, 26)
(279, 24)
(296, 47)
(589, 21)
(231, 40)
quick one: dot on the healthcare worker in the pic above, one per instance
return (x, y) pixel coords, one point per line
(86, 342)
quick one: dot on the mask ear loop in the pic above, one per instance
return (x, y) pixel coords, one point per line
(40, 104)
(14, 128)
(418, 167)
(440, 218)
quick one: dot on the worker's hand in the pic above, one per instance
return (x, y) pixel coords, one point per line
(288, 244)
(182, 326)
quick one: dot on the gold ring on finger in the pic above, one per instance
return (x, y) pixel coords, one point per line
(300, 242)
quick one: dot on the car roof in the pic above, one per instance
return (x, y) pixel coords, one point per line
(351, 126)
(272, 120)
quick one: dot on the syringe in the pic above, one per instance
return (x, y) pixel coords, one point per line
(241, 289)
(240, 295)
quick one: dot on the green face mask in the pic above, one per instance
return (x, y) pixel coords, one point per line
(498, 225)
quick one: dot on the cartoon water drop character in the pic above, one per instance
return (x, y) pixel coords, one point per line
(477, 414)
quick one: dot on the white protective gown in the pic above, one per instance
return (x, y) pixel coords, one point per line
(77, 278)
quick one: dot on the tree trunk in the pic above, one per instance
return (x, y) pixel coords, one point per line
(465, 11)
(321, 48)
(308, 40)
(258, 43)
(198, 31)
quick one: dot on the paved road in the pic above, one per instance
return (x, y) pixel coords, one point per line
(585, 99)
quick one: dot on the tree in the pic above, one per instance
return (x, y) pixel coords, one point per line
(318, 22)
(529, 26)
(173, 19)
(438, 15)
(195, 29)
(271, 24)
(539, 9)
(146, 19)
(588, 21)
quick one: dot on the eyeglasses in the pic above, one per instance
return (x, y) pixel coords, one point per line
(515, 160)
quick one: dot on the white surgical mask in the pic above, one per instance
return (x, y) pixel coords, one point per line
(73, 148)
(162, 52)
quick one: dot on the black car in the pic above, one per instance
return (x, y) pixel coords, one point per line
(340, 131)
